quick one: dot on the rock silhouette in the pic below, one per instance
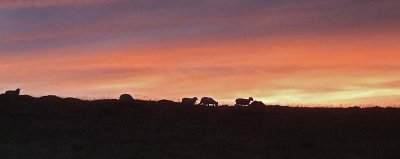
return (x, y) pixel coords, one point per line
(126, 99)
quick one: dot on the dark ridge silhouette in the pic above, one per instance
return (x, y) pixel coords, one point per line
(52, 99)
(54, 127)
(207, 101)
(243, 102)
(25, 98)
(166, 102)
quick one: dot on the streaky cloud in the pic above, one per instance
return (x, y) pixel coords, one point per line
(15, 4)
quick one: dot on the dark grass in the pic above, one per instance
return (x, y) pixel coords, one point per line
(52, 127)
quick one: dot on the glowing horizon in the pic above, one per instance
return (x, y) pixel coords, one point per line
(331, 52)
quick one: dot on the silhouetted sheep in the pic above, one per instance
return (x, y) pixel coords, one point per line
(126, 99)
(207, 101)
(243, 102)
(257, 104)
(12, 94)
(189, 101)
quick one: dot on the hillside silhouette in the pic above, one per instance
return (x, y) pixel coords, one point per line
(54, 127)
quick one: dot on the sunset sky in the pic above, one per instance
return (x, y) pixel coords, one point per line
(277, 51)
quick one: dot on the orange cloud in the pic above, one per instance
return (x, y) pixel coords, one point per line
(335, 69)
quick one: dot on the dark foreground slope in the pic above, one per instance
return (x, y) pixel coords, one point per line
(52, 127)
